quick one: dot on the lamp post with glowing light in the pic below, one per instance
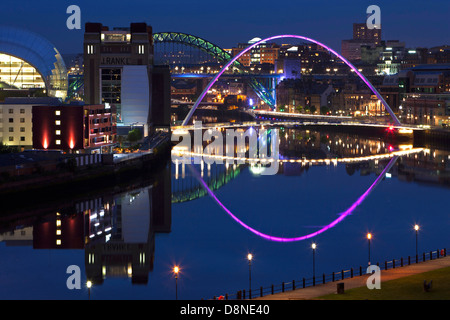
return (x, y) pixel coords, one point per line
(176, 270)
(314, 246)
(369, 237)
(89, 285)
(416, 227)
(249, 258)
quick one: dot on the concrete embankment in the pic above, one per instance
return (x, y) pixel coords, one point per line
(58, 174)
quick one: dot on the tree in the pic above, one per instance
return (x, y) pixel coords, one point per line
(324, 109)
(7, 149)
(134, 136)
(307, 108)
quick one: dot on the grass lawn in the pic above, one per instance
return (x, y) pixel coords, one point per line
(407, 288)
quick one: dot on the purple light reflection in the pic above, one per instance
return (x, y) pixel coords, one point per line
(211, 83)
(342, 216)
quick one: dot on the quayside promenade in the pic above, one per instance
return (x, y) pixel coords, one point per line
(315, 292)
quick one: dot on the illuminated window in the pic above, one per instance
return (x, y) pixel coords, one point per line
(58, 142)
(19, 73)
(58, 122)
(58, 112)
(58, 242)
(90, 49)
(58, 132)
(58, 232)
(58, 223)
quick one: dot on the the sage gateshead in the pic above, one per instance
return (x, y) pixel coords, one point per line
(29, 62)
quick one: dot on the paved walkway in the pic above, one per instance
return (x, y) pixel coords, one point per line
(359, 281)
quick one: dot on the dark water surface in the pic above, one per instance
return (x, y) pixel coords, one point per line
(127, 242)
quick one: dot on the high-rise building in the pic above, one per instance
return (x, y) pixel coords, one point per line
(362, 36)
(260, 54)
(118, 67)
(361, 32)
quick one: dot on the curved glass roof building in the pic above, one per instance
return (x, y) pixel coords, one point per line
(27, 60)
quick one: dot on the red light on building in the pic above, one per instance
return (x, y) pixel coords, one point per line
(73, 127)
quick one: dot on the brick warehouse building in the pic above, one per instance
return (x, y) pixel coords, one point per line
(89, 128)
(119, 70)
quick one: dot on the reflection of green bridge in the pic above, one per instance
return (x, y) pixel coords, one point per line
(185, 187)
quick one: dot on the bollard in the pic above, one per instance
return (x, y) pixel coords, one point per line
(351, 273)
(332, 277)
(304, 282)
(401, 262)
(293, 284)
(282, 287)
(340, 288)
(261, 291)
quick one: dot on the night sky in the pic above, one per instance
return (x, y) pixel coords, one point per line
(226, 23)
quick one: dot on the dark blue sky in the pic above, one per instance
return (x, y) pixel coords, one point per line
(417, 23)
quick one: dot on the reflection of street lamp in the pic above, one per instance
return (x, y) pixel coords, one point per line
(314, 246)
(416, 227)
(176, 270)
(89, 285)
(249, 258)
(369, 237)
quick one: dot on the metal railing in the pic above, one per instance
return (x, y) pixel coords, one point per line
(331, 277)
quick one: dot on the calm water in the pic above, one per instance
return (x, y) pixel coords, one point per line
(128, 241)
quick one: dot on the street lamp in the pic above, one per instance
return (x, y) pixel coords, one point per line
(249, 258)
(416, 227)
(369, 237)
(314, 246)
(89, 285)
(176, 270)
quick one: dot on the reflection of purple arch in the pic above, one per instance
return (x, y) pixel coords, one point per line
(200, 98)
(342, 216)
